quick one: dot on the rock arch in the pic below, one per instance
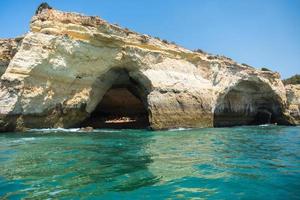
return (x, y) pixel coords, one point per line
(249, 103)
(119, 100)
(53, 78)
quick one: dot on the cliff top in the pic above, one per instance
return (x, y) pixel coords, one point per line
(294, 80)
(88, 28)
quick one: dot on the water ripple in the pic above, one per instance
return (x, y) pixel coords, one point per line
(222, 163)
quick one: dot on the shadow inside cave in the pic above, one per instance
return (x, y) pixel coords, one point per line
(123, 106)
(249, 103)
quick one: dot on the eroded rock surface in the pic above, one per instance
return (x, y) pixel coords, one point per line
(67, 62)
(8, 48)
(293, 98)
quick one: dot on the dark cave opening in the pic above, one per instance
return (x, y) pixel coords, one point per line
(248, 103)
(262, 117)
(124, 106)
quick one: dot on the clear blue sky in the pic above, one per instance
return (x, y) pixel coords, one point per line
(262, 33)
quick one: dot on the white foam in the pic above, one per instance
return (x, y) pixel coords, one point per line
(28, 139)
(179, 129)
(73, 130)
(263, 125)
(56, 130)
(108, 131)
(23, 140)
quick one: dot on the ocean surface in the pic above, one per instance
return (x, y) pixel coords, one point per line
(258, 162)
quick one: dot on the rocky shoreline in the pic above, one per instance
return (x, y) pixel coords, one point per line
(71, 68)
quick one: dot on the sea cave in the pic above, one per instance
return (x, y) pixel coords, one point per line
(248, 103)
(124, 105)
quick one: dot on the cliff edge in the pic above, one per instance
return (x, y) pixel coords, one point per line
(73, 70)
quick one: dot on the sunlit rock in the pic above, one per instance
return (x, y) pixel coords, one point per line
(72, 70)
(293, 98)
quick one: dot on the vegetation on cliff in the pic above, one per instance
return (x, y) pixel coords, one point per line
(292, 80)
(41, 7)
(265, 69)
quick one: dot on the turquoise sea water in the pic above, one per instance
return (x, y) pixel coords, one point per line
(261, 162)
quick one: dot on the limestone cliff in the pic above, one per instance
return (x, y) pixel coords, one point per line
(293, 97)
(70, 68)
(8, 48)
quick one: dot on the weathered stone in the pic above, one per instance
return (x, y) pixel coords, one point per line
(293, 99)
(67, 62)
(8, 48)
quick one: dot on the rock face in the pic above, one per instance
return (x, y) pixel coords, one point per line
(293, 98)
(73, 70)
(8, 48)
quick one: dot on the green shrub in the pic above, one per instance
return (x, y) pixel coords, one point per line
(144, 39)
(212, 57)
(265, 69)
(199, 51)
(128, 31)
(292, 80)
(41, 7)
(165, 41)
(244, 64)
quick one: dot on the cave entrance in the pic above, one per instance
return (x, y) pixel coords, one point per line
(123, 106)
(248, 103)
